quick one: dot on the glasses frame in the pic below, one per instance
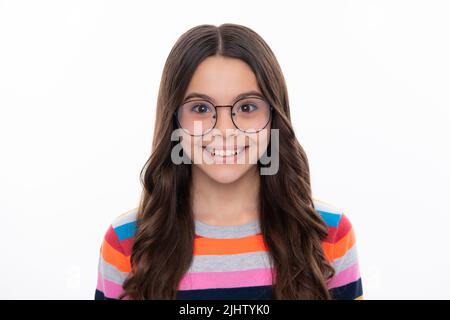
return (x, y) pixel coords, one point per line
(231, 106)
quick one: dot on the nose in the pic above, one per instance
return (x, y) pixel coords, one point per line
(224, 122)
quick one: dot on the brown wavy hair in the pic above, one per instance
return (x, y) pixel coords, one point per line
(162, 250)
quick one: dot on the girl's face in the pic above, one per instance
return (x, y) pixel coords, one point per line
(225, 153)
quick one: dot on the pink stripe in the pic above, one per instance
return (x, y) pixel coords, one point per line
(232, 279)
(344, 277)
(109, 288)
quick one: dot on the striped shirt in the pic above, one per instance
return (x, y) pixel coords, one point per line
(231, 262)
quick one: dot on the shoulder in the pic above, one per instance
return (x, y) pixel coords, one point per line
(340, 249)
(334, 217)
(341, 235)
(124, 225)
(120, 233)
(330, 214)
(115, 251)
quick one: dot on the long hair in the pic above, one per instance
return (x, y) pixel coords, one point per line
(162, 250)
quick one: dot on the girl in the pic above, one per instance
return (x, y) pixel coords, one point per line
(226, 210)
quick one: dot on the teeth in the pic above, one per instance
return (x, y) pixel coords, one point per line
(225, 153)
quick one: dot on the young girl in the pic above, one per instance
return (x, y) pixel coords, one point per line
(227, 213)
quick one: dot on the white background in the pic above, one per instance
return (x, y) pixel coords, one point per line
(369, 88)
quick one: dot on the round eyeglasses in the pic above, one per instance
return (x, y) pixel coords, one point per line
(250, 115)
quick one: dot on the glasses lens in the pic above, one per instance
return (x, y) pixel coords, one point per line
(196, 117)
(251, 114)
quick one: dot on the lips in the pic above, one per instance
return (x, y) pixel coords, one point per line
(225, 151)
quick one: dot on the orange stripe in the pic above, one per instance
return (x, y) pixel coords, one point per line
(336, 250)
(327, 250)
(203, 246)
(342, 246)
(359, 298)
(114, 257)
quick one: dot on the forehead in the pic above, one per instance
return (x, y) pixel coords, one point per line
(222, 78)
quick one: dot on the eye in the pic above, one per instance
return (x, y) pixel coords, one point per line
(201, 108)
(247, 107)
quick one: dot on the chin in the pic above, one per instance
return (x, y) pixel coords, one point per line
(225, 173)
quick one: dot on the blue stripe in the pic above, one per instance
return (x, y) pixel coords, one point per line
(126, 230)
(331, 219)
(244, 293)
(349, 291)
(99, 295)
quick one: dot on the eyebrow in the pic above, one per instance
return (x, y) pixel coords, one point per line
(238, 97)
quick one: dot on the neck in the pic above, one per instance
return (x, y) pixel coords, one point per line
(232, 203)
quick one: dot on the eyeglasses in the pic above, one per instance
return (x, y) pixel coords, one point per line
(250, 115)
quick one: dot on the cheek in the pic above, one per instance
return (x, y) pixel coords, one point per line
(192, 147)
(258, 144)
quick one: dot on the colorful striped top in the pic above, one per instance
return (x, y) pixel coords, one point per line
(231, 262)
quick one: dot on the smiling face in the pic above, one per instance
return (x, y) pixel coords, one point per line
(224, 153)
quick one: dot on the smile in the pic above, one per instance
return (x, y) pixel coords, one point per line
(222, 152)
